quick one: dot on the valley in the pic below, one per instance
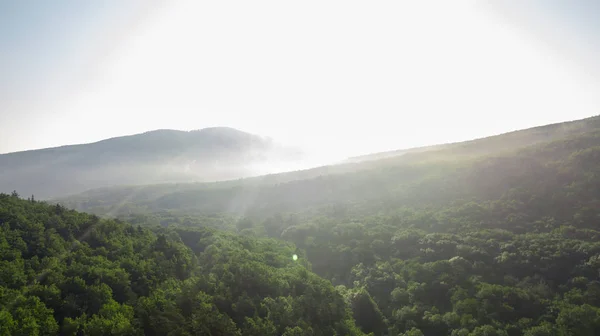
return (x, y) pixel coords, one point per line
(495, 236)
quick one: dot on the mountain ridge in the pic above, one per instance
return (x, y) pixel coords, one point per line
(361, 180)
(150, 132)
(156, 156)
(554, 130)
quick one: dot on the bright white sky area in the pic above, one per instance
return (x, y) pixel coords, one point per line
(341, 78)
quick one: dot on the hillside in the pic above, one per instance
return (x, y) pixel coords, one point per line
(152, 157)
(457, 170)
(488, 237)
(495, 144)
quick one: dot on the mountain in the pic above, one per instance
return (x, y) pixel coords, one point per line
(160, 156)
(368, 180)
(495, 236)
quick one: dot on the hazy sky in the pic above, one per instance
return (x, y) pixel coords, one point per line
(345, 77)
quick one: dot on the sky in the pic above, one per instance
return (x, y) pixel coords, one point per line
(339, 78)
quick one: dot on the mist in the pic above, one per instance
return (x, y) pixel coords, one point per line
(163, 156)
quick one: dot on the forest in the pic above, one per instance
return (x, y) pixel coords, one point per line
(472, 239)
(69, 273)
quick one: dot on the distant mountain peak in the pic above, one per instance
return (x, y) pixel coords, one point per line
(162, 155)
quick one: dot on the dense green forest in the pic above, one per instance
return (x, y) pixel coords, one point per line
(69, 273)
(467, 239)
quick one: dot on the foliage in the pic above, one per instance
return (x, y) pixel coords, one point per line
(501, 244)
(73, 273)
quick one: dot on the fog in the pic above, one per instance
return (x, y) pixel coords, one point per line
(151, 158)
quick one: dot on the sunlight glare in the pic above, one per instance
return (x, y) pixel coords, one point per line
(339, 78)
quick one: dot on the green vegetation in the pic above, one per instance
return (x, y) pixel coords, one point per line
(72, 273)
(505, 241)
(475, 169)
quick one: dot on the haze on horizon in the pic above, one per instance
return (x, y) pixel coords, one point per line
(339, 78)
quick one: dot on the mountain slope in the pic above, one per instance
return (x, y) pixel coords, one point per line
(494, 144)
(500, 238)
(457, 169)
(152, 157)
